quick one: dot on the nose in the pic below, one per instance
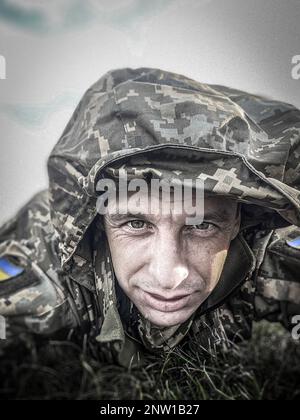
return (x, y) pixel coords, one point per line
(167, 267)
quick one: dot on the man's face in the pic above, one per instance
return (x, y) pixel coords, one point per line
(166, 267)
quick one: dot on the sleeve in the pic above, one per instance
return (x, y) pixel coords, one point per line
(277, 296)
(33, 298)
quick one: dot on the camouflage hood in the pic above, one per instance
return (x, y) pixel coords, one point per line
(240, 145)
(155, 123)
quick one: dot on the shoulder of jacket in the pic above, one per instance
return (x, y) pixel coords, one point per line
(286, 242)
(14, 276)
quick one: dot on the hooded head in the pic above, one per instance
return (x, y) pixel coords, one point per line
(148, 123)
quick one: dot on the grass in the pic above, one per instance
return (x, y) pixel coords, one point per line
(265, 368)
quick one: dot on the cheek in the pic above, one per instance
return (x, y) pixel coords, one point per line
(127, 259)
(209, 261)
(217, 266)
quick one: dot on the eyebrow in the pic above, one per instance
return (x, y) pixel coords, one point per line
(221, 217)
(116, 217)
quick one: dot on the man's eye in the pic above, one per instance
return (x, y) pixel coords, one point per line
(205, 226)
(136, 224)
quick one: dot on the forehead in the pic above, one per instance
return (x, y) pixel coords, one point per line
(173, 206)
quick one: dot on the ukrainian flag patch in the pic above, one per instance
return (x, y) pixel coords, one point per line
(294, 243)
(9, 270)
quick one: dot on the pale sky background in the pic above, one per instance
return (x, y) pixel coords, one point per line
(56, 49)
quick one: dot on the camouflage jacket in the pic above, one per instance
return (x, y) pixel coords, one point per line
(55, 267)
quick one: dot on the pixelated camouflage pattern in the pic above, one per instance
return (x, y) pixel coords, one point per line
(42, 306)
(241, 145)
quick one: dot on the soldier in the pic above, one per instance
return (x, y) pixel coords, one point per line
(148, 282)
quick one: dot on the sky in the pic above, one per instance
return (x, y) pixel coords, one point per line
(54, 50)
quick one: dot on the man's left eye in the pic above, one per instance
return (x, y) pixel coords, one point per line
(203, 226)
(136, 224)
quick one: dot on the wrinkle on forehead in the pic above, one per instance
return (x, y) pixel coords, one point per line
(219, 209)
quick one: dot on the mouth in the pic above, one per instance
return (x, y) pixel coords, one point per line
(164, 304)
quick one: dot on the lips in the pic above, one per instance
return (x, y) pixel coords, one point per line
(166, 299)
(163, 304)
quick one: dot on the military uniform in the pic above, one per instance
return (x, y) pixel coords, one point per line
(55, 265)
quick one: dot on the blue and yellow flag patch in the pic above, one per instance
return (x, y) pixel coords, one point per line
(294, 243)
(8, 270)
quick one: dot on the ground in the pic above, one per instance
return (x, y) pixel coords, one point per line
(267, 367)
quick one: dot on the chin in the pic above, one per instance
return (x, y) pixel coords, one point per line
(167, 320)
